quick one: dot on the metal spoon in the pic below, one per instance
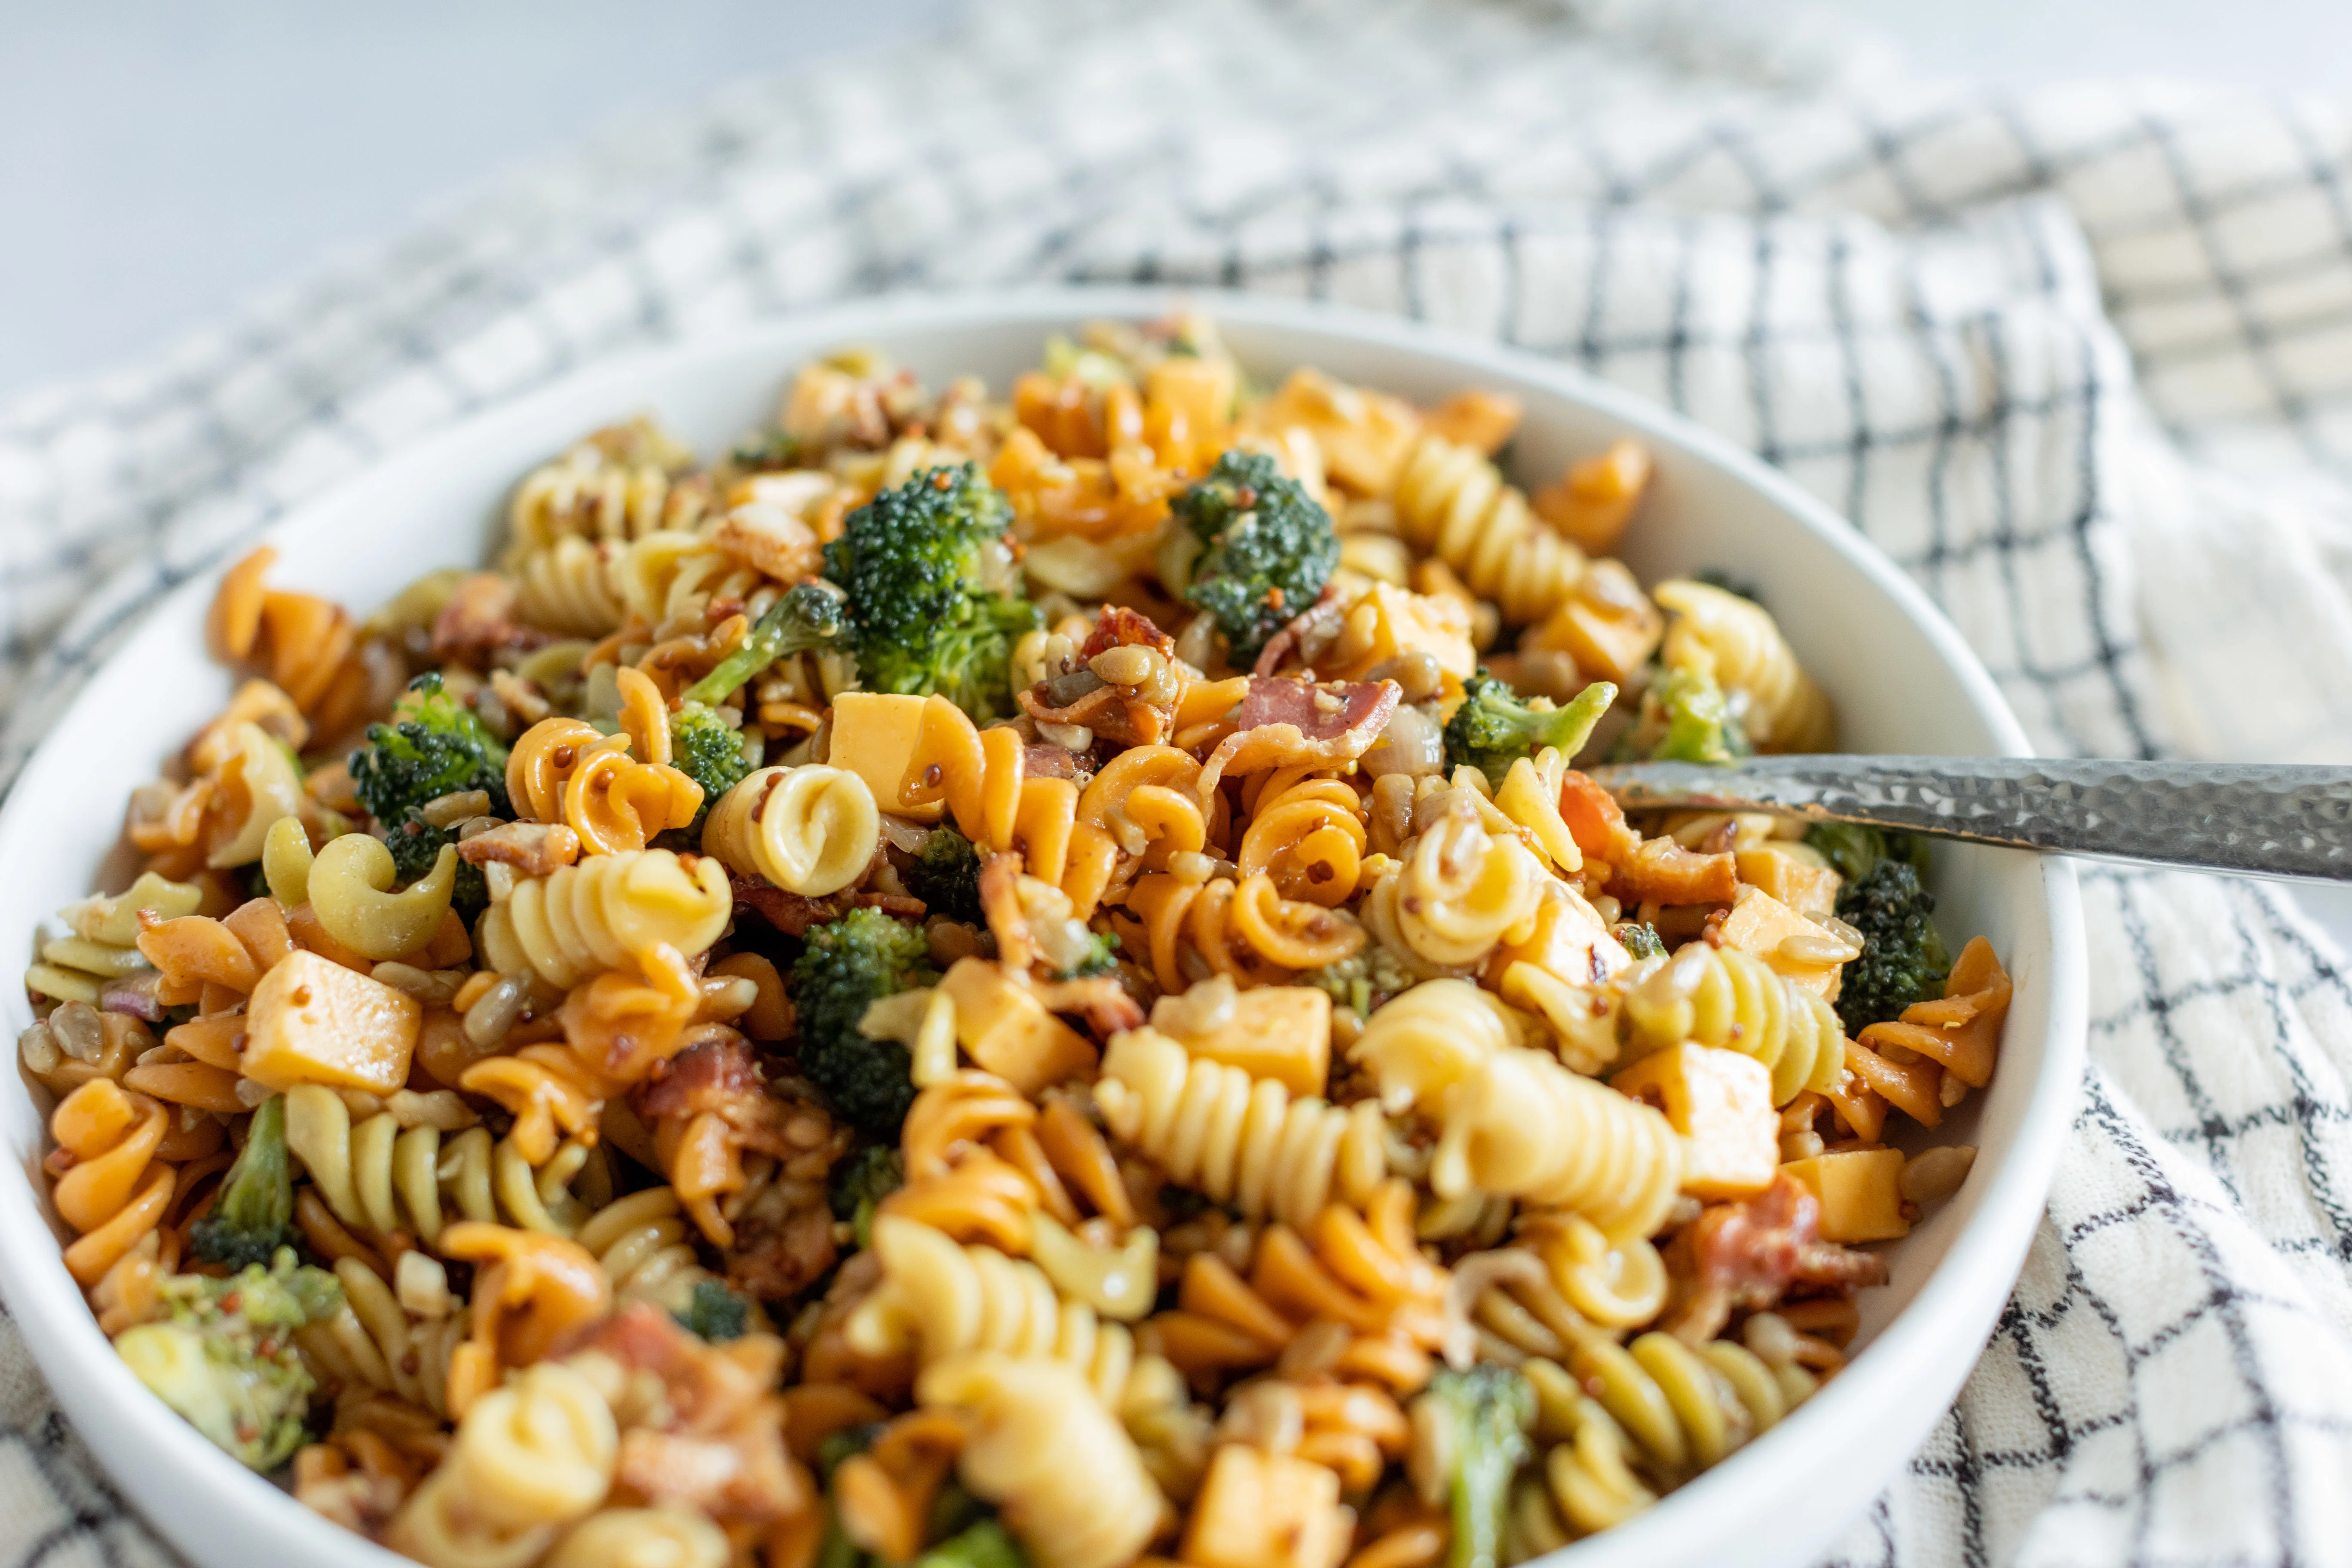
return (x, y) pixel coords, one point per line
(2251, 818)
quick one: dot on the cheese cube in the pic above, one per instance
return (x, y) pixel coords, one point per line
(1783, 869)
(873, 736)
(1363, 435)
(1001, 1025)
(313, 1021)
(1721, 1102)
(1758, 923)
(1258, 1509)
(1608, 625)
(1860, 1192)
(1281, 1032)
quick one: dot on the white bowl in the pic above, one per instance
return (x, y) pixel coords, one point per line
(1902, 678)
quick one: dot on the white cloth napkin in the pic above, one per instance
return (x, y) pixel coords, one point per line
(2079, 359)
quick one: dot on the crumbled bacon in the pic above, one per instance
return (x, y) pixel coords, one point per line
(1107, 1007)
(774, 1259)
(480, 620)
(714, 1439)
(1662, 871)
(1107, 711)
(1748, 1256)
(1284, 720)
(788, 912)
(533, 849)
(1316, 625)
(1045, 760)
(1118, 626)
(714, 1077)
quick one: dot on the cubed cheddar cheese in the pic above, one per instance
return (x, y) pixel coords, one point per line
(1721, 1102)
(1608, 625)
(1364, 435)
(1281, 1032)
(875, 734)
(313, 1021)
(1388, 621)
(1567, 938)
(1258, 1509)
(1758, 923)
(1860, 1192)
(1788, 872)
(1001, 1025)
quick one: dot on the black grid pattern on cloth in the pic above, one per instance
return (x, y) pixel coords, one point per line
(2076, 359)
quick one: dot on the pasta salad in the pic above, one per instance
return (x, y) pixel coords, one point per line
(992, 980)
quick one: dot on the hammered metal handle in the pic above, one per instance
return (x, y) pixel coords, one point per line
(2251, 818)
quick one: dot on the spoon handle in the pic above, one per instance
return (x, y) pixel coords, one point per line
(2252, 818)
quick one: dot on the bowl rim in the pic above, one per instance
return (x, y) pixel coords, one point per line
(1983, 1260)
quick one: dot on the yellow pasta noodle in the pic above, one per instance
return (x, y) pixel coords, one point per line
(604, 912)
(810, 830)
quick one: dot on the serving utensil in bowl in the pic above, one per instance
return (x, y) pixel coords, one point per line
(2256, 819)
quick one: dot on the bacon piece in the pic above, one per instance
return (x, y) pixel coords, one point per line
(1748, 1256)
(533, 849)
(1107, 1007)
(899, 906)
(480, 620)
(774, 1259)
(1282, 719)
(721, 1448)
(1107, 711)
(710, 1077)
(788, 912)
(1045, 760)
(1662, 871)
(1118, 626)
(1316, 625)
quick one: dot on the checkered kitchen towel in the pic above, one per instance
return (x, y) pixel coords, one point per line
(2080, 360)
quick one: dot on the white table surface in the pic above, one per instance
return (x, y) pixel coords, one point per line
(167, 159)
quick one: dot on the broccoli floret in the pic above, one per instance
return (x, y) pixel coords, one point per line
(1101, 957)
(835, 1447)
(934, 598)
(859, 1183)
(435, 746)
(225, 1358)
(1485, 1413)
(255, 1214)
(1363, 981)
(1264, 550)
(415, 846)
(1852, 849)
(715, 1312)
(1691, 721)
(765, 452)
(851, 963)
(984, 1545)
(1493, 728)
(1641, 941)
(1903, 960)
(704, 749)
(946, 876)
(807, 616)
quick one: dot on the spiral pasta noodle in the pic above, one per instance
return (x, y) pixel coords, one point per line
(1069, 1481)
(1461, 890)
(641, 1243)
(810, 830)
(1521, 1125)
(1727, 998)
(947, 1297)
(665, 1537)
(604, 913)
(567, 587)
(617, 485)
(529, 1459)
(670, 578)
(374, 1341)
(1241, 1140)
(1455, 504)
(1737, 640)
(116, 1192)
(1426, 1041)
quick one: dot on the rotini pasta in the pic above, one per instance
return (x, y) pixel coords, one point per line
(606, 913)
(810, 830)
(984, 938)
(1071, 1484)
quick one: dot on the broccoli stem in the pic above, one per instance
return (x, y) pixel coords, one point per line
(254, 1214)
